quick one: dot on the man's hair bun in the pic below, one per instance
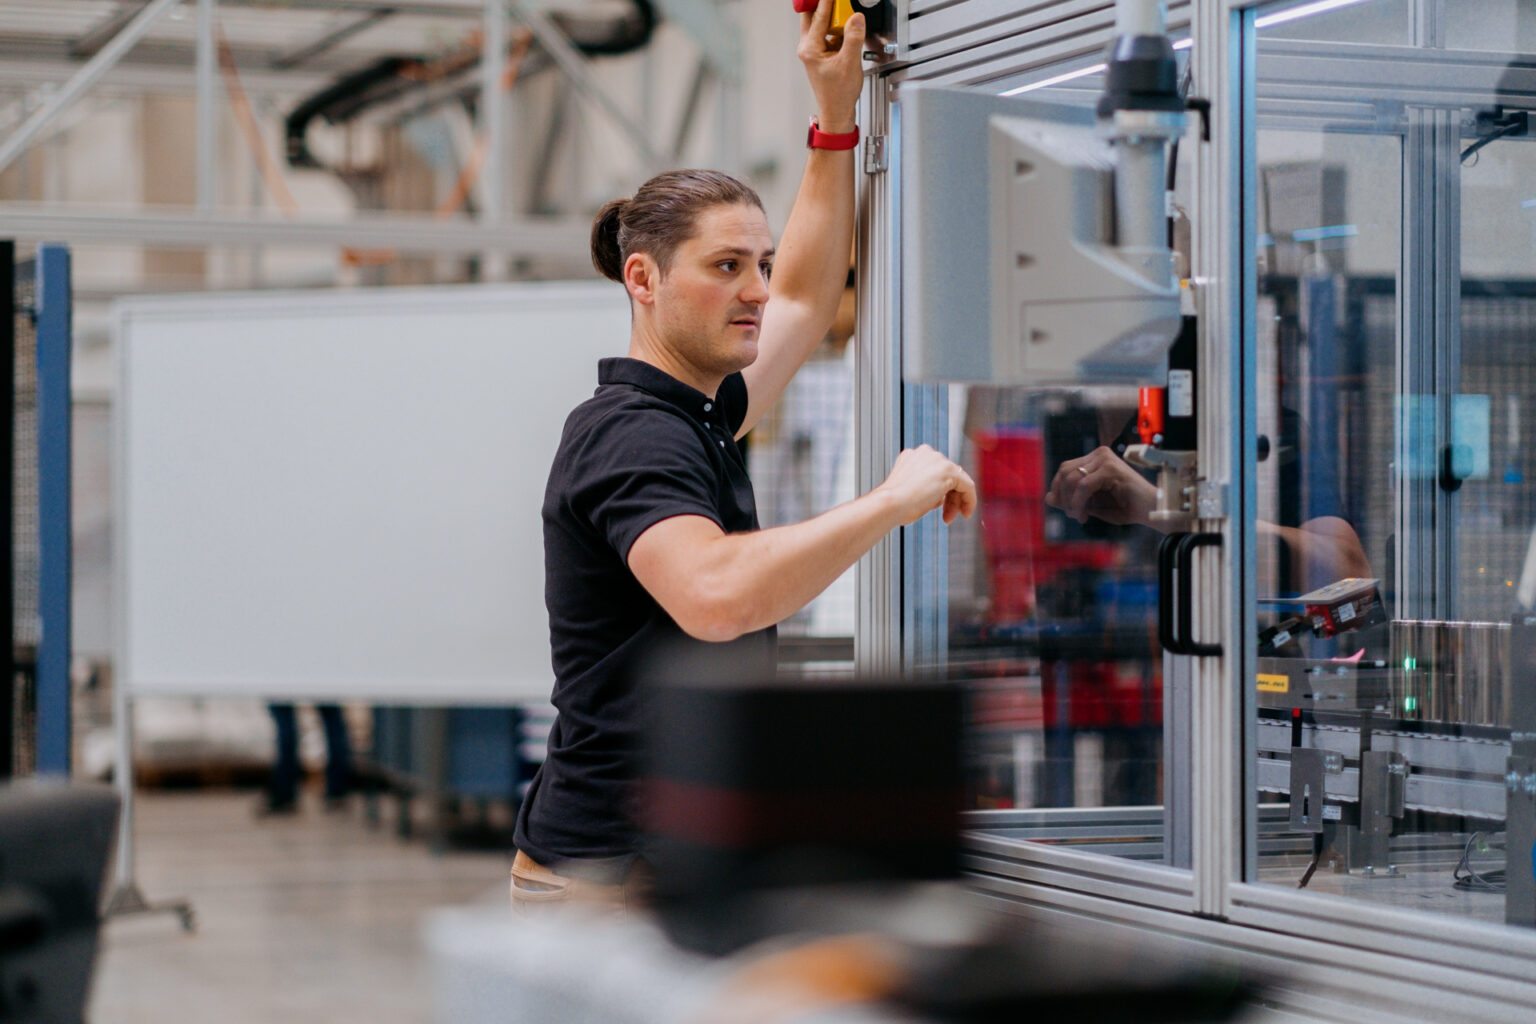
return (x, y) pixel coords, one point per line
(607, 251)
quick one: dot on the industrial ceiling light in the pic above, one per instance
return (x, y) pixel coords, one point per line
(1045, 83)
(1304, 11)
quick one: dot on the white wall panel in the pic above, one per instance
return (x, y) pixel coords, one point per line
(337, 494)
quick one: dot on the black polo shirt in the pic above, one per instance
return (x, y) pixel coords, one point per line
(645, 447)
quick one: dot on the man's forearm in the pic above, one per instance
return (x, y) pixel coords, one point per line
(812, 263)
(1322, 550)
(750, 581)
(717, 586)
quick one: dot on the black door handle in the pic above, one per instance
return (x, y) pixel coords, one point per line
(1167, 572)
(1184, 556)
(1175, 593)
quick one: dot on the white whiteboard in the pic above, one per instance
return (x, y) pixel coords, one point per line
(337, 494)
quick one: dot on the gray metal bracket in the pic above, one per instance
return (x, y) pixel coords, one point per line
(876, 157)
(1383, 788)
(1309, 791)
(1212, 500)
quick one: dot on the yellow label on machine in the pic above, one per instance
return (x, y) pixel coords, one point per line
(1274, 684)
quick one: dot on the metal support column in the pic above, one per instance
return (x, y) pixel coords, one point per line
(7, 507)
(492, 117)
(1520, 781)
(1429, 347)
(877, 374)
(1222, 810)
(1178, 791)
(207, 121)
(1429, 364)
(54, 409)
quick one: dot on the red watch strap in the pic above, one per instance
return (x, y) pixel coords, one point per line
(818, 139)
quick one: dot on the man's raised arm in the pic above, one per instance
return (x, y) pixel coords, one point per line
(812, 263)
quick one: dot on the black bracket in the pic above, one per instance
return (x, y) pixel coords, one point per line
(1493, 125)
(1201, 106)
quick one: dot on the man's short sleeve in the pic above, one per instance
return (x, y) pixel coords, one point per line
(639, 468)
(733, 401)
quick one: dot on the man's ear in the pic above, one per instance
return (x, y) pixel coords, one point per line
(641, 275)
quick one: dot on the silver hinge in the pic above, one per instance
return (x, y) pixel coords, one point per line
(1211, 500)
(875, 160)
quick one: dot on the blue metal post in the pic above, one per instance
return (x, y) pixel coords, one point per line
(54, 408)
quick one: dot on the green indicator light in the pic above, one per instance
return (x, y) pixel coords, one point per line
(1410, 703)
(1410, 663)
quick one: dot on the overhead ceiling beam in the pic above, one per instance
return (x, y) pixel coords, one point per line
(467, 8)
(17, 143)
(563, 237)
(90, 44)
(133, 78)
(309, 51)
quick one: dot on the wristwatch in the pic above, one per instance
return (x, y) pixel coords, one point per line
(818, 139)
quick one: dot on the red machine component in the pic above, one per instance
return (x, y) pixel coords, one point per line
(1104, 695)
(1011, 476)
(1152, 414)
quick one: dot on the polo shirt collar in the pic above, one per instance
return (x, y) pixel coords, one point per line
(663, 385)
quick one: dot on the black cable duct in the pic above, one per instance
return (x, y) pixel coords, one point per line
(342, 100)
(388, 78)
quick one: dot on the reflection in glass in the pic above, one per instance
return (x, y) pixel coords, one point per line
(1046, 611)
(1053, 615)
(1395, 316)
(1049, 621)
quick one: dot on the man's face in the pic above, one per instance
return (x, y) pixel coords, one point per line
(709, 304)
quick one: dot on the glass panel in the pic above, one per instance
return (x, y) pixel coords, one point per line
(1377, 21)
(1395, 313)
(1052, 621)
(1498, 25)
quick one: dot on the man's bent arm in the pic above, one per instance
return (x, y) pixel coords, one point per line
(811, 267)
(718, 586)
(1322, 550)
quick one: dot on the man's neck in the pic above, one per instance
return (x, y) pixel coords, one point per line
(647, 350)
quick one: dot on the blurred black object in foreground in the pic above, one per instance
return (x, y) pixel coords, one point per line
(750, 788)
(54, 840)
(825, 816)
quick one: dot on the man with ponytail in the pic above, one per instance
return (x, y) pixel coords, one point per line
(652, 544)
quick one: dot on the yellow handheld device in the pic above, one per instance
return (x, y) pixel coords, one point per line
(842, 10)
